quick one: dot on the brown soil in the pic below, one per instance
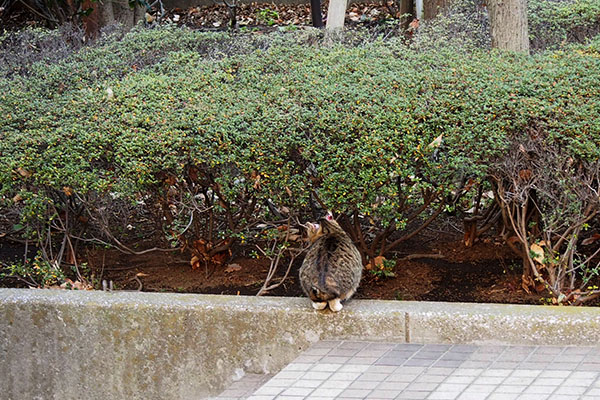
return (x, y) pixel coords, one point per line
(486, 272)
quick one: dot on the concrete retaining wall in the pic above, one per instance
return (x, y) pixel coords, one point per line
(126, 345)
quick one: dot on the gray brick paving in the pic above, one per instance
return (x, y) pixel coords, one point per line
(338, 370)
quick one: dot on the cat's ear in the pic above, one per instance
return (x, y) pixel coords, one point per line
(313, 226)
(329, 216)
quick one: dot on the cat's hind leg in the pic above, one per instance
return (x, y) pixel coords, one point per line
(319, 305)
(335, 305)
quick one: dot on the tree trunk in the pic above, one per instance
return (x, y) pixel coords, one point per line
(315, 12)
(508, 25)
(431, 8)
(336, 14)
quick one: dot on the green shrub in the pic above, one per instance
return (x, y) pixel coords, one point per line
(554, 23)
(202, 147)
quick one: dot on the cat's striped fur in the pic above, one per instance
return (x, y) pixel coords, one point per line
(332, 268)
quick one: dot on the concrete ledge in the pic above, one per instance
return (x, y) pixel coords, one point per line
(97, 345)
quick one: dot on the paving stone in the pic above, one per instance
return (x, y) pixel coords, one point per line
(422, 386)
(381, 371)
(540, 389)
(555, 374)
(584, 366)
(480, 388)
(355, 393)
(335, 359)
(475, 364)
(307, 383)
(562, 366)
(518, 380)
(409, 395)
(440, 371)
(385, 394)
(316, 375)
(451, 355)
(489, 380)
(392, 385)
(464, 348)
(345, 352)
(298, 366)
(448, 363)
(269, 391)
(471, 396)
(563, 397)
(502, 396)
(289, 374)
(452, 387)
(578, 390)
(327, 392)
(460, 379)
(408, 346)
(548, 381)
(329, 384)
(373, 376)
(525, 373)
(444, 395)
(532, 397)
(497, 372)
(430, 378)
(400, 377)
(416, 362)
(367, 384)
(257, 397)
(467, 371)
(510, 389)
(296, 391)
(354, 368)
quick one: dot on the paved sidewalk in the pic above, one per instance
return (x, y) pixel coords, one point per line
(364, 370)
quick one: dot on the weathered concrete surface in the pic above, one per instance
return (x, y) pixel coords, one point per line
(97, 345)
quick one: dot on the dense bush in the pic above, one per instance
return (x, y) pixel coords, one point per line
(204, 139)
(552, 24)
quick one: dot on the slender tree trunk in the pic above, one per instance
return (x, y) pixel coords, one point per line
(336, 14)
(508, 25)
(431, 8)
(315, 12)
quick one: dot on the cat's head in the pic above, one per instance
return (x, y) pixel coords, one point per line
(329, 223)
(326, 225)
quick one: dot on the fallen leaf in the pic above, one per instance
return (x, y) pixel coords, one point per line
(526, 283)
(438, 140)
(591, 239)
(23, 172)
(195, 262)
(538, 253)
(378, 261)
(67, 190)
(525, 174)
(233, 268)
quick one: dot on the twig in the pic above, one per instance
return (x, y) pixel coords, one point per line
(414, 256)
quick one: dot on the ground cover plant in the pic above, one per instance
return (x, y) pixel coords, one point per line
(215, 144)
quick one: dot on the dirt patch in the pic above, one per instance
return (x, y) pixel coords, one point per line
(486, 272)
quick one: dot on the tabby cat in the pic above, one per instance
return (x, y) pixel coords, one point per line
(332, 268)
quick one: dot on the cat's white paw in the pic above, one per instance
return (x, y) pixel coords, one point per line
(319, 306)
(335, 305)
